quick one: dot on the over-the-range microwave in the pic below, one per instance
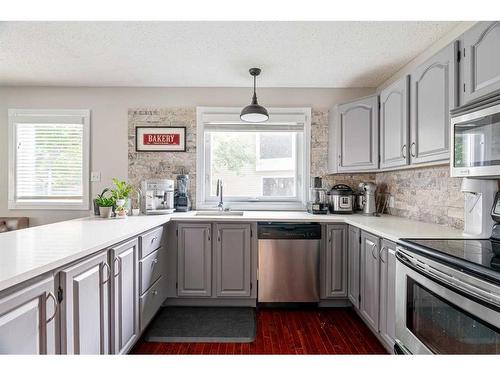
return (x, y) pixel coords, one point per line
(475, 139)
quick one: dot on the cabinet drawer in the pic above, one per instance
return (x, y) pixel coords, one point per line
(151, 268)
(150, 242)
(150, 302)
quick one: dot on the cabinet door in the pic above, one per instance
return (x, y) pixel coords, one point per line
(369, 304)
(335, 264)
(194, 260)
(85, 308)
(394, 124)
(353, 265)
(27, 320)
(387, 298)
(434, 94)
(481, 56)
(232, 260)
(125, 295)
(333, 154)
(357, 135)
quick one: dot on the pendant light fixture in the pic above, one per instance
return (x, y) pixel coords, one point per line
(254, 112)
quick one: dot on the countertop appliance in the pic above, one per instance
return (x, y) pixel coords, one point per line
(475, 138)
(341, 199)
(318, 201)
(182, 196)
(158, 197)
(448, 294)
(478, 200)
(369, 205)
(288, 262)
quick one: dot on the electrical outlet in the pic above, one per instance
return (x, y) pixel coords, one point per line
(95, 176)
(391, 202)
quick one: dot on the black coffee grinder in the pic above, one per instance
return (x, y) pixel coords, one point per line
(182, 198)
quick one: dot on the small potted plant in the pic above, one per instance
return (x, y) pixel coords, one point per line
(105, 202)
(121, 194)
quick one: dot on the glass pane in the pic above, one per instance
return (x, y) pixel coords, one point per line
(477, 143)
(445, 328)
(253, 164)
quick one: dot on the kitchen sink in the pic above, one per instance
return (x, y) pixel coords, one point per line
(219, 213)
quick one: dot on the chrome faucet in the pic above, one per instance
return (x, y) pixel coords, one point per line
(219, 191)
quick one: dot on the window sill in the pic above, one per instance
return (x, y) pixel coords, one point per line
(48, 205)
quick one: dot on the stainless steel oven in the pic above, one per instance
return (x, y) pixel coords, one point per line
(475, 139)
(442, 310)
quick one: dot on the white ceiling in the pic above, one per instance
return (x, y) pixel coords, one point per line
(217, 54)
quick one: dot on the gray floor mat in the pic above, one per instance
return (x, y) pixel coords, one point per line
(203, 324)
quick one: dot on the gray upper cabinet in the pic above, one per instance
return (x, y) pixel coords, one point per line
(369, 280)
(357, 135)
(194, 260)
(481, 56)
(353, 260)
(27, 320)
(387, 319)
(433, 95)
(394, 124)
(334, 266)
(85, 308)
(233, 260)
(125, 295)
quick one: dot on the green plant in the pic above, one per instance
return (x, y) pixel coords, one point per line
(122, 189)
(105, 200)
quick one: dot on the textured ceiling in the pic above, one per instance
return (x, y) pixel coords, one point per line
(218, 54)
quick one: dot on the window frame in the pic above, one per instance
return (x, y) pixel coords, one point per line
(35, 116)
(230, 115)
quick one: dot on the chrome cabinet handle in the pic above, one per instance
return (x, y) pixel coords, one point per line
(154, 262)
(119, 268)
(56, 306)
(329, 236)
(374, 248)
(380, 253)
(411, 149)
(403, 151)
(208, 234)
(218, 235)
(154, 239)
(155, 292)
(106, 265)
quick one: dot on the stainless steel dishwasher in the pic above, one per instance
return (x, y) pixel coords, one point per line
(288, 262)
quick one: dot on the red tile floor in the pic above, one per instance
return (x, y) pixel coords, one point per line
(281, 331)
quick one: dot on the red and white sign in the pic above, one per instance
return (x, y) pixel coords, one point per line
(160, 138)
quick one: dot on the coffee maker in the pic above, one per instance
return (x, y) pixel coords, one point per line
(318, 203)
(182, 197)
(158, 197)
(479, 197)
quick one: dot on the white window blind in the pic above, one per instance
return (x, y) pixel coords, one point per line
(49, 159)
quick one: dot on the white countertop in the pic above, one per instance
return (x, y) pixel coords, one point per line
(28, 253)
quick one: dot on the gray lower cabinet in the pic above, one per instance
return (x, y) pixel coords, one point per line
(357, 135)
(85, 309)
(353, 262)
(194, 260)
(334, 262)
(233, 260)
(387, 322)
(369, 279)
(27, 319)
(125, 296)
(481, 56)
(433, 95)
(394, 124)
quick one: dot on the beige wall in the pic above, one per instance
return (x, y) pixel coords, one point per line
(109, 120)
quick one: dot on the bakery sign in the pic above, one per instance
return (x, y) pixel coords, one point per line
(160, 138)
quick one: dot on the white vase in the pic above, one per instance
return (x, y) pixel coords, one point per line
(105, 212)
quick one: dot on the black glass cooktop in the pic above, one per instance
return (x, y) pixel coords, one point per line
(474, 254)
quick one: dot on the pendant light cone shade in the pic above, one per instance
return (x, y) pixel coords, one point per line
(254, 112)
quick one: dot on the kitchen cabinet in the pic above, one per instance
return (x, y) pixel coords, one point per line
(481, 57)
(369, 279)
(394, 124)
(334, 262)
(194, 260)
(125, 295)
(233, 260)
(387, 323)
(85, 309)
(27, 319)
(433, 95)
(353, 261)
(357, 135)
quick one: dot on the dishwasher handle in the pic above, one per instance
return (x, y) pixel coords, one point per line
(288, 231)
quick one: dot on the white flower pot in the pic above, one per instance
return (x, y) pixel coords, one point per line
(105, 212)
(120, 202)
